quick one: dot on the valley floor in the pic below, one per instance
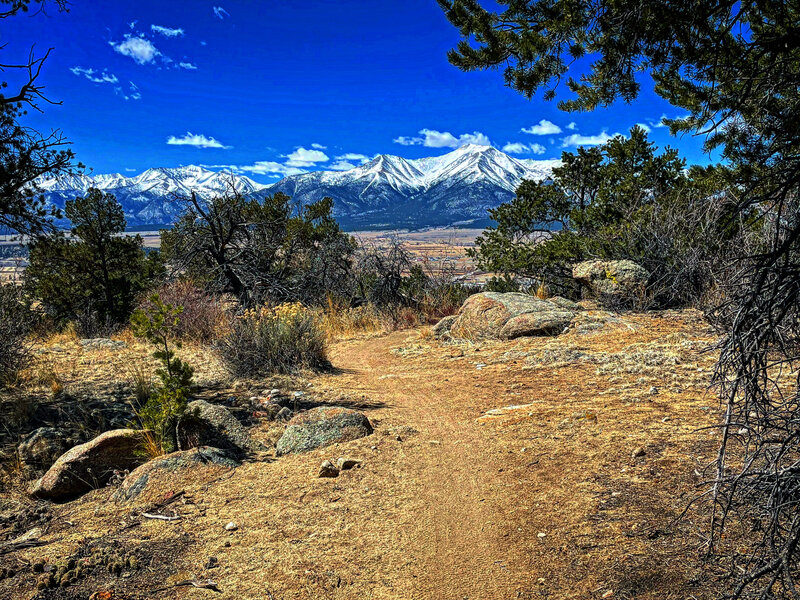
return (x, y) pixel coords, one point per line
(574, 492)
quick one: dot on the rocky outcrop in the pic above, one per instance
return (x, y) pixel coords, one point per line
(322, 426)
(206, 424)
(549, 322)
(91, 465)
(613, 279)
(158, 476)
(40, 448)
(496, 315)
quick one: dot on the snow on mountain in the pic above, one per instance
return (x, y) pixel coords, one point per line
(388, 191)
(392, 191)
(153, 196)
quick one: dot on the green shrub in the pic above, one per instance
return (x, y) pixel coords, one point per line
(158, 323)
(619, 200)
(281, 339)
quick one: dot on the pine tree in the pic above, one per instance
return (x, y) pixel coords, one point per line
(93, 275)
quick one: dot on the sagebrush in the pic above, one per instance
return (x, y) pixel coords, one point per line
(268, 340)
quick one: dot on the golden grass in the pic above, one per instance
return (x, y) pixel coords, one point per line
(340, 321)
(542, 292)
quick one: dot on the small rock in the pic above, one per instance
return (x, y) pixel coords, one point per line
(284, 414)
(653, 391)
(231, 526)
(344, 464)
(212, 562)
(541, 535)
(639, 452)
(607, 594)
(42, 447)
(326, 469)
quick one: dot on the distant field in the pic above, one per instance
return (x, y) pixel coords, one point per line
(438, 248)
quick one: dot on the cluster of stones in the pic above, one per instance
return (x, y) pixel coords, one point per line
(209, 438)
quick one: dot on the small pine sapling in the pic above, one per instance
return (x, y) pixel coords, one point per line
(158, 324)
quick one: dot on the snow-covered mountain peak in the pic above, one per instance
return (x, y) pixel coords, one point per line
(386, 191)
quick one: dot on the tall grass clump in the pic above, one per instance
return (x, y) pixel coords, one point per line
(339, 319)
(279, 339)
(16, 323)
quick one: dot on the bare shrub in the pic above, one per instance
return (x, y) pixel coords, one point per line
(269, 340)
(685, 244)
(408, 291)
(204, 316)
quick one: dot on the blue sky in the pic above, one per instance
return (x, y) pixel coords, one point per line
(278, 87)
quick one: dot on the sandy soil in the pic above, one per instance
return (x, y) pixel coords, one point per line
(573, 495)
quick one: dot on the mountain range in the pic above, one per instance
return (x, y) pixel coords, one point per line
(386, 192)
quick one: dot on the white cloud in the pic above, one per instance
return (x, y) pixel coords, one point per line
(95, 76)
(543, 127)
(341, 165)
(303, 157)
(129, 170)
(220, 12)
(132, 24)
(269, 167)
(645, 126)
(519, 148)
(319, 146)
(443, 139)
(139, 49)
(572, 126)
(167, 31)
(187, 65)
(198, 141)
(576, 139)
(351, 156)
(203, 43)
(132, 93)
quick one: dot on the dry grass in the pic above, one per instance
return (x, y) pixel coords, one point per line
(340, 321)
(543, 501)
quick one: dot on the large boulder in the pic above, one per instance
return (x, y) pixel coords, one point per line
(487, 314)
(322, 426)
(158, 477)
(206, 424)
(614, 279)
(91, 465)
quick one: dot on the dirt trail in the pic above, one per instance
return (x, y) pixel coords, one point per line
(457, 546)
